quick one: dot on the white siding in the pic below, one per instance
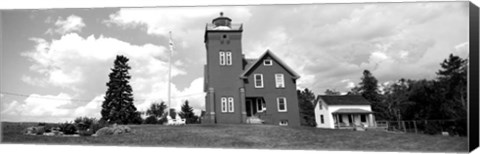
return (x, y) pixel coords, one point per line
(327, 111)
(326, 116)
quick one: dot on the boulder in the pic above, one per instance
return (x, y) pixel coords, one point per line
(113, 130)
(34, 130)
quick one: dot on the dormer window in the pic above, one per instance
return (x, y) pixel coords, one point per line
(267, 62)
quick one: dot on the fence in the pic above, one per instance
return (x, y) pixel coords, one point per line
(444, 127)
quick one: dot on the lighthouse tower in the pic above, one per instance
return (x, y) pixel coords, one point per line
(223, 42)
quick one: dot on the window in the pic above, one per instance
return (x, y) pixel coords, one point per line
(363, 118)
(224, 104)
(261, 105)
(222, 58)
(321, 119)
(283, 123)
(279, 82)
(227, 104)
(228, 58)
(230, 104)
(225, 58)
(282, 104)
(320, 104)
(267, 62)
(258, 80)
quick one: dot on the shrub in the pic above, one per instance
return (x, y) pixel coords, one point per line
(97, 125)
(83, 123)
(68, 128)
(87, 132)
(39, 130)
(151, 120)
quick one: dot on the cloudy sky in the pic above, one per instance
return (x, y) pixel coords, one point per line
(55, 62)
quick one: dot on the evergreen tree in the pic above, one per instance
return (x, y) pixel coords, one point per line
(118, 105)
(187, 113)
(306, 99)
(368, 88)
(453, 79)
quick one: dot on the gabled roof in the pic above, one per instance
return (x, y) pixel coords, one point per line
(343, 100)
(250, 68)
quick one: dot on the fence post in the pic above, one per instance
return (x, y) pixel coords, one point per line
(404, 128)
(415, 126)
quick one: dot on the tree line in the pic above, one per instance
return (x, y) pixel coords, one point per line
(441, 98)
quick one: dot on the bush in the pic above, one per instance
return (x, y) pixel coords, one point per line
(83, 123)
(39, 130)
(97, 125)
(68, 128)
(151, 120)
(87, 132)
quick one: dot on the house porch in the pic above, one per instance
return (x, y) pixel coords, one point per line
(353, 118)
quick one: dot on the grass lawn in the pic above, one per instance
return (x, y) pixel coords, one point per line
(252, 136)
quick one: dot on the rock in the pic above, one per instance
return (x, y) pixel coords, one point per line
(29, 131)
(104, 131)
(38, 130)
(113, 130)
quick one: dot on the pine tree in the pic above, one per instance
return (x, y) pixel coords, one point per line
(453, 78)
(368, 88)
(118, 106)
(187, 113)
(307, 110)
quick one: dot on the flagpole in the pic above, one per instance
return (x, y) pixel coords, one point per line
(169, 73)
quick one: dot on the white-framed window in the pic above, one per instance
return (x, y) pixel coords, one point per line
(283, 123)
(258, 79)
(230, 104)
(279, 82)
(267, 62)
(261, 105)
(223, 101)
(228, 56)
(321, 119)
(222, 58)
(282, 104)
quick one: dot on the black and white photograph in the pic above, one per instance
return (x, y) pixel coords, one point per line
(329, 77)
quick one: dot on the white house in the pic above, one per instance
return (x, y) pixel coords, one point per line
(347, 111)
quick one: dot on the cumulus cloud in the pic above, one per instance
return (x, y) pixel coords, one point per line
(171, 19)
(59, 60)
(45, 107)
(83, 64)
(377, 37)
(73, 23)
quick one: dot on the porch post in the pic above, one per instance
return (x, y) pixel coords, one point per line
(338, 121)
(251, 108)
(370, 118)
(243, 111)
